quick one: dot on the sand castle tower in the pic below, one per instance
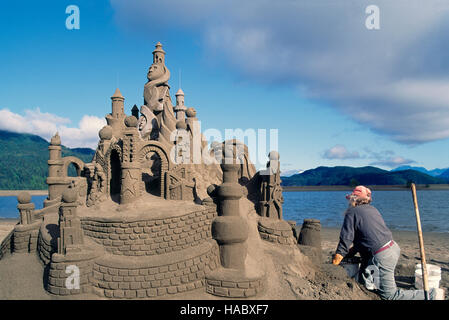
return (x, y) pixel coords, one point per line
(180, 108)
(56, 183)
(116, 117)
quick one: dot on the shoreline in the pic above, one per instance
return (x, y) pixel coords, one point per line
(15, 193)
(11, 193)
(4, 220)
(430, 187)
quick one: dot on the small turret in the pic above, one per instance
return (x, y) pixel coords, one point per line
(117, 104)
(180, 108)
(159, 54)
(116, 117)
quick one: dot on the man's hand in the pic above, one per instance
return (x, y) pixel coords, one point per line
(351, 253)
(336, 259)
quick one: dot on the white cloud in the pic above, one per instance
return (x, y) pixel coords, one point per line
(46, 125)
(340, 152)
(393, 162)
(393, 80)
(386, 158)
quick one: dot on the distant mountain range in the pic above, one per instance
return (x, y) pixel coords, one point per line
(23, 165)
(334, 176)
(289, 173)
(434, 173)
(23, 161)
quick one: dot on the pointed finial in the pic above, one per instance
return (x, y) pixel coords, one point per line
(180, 92)
(55, 140)
(117, 94)
(159, 47)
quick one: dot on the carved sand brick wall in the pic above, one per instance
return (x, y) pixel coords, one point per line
(151, 237)
(276, 233)
(45, 249)
(58, 275)
(235, 289)
(168, 274)
(25, 237)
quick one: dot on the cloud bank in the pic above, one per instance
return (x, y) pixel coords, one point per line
(393, 80)
(340, 152)
(393, 162)
(46, 125)
(386, 158)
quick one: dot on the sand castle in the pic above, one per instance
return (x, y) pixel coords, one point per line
(157, 212)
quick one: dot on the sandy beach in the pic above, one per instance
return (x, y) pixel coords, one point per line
(436, 247)
(15, 193)
(6, 226)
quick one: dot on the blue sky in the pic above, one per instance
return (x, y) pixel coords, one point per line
(338, 93)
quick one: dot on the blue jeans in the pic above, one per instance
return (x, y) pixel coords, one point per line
(385, 262)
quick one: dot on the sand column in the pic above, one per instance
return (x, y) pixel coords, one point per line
(55, 181)
(25, 207)
(71, 235)
(229, 229)
(131, 173)
(25, 233)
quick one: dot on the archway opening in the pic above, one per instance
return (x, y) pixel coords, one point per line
(115, 182)
(151, 173)
(73, 170)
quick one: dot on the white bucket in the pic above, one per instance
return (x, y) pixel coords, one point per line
(433, 276)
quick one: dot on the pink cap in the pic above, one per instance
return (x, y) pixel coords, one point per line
(361, 192)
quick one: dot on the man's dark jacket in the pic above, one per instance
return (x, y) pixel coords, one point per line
(364, 227)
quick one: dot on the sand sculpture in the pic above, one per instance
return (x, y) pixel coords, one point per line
(309, 240)
(143, 219)
(271, 225)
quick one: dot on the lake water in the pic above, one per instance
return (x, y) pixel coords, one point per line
(8, 206)
(396, 208)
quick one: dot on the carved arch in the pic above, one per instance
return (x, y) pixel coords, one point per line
(105, 162)
(160, 150)
(78, 163)
(117, 147)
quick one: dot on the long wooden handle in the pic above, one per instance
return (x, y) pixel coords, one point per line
(421, 244)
